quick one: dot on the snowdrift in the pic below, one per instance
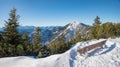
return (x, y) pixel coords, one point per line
(108, 56)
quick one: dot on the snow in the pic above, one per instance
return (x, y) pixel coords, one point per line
(108, 56)
(71, 30)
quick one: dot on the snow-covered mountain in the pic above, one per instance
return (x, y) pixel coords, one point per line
(71, 30)
(46, 32)
(52, 33)
(108, 56)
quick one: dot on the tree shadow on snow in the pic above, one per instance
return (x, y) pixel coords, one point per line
(73, 54)
(110, 48)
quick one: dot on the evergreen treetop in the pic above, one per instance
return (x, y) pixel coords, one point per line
(97, 21)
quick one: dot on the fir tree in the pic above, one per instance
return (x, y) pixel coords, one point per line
(97, 21)
(11, 35)
(40, 54)
(117, 29)
(36, 37)
(26, 43)
(20, 50)
(1, 38)
(52, 47)
(95, 28)
(78, 38)
(36, 41)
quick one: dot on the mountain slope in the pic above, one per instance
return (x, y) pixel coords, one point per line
(109, 56)
(46, 32)
(71, 30)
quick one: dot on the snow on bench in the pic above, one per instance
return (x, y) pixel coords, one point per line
(93, 46)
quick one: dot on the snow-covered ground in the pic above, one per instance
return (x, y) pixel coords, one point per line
(108, 56)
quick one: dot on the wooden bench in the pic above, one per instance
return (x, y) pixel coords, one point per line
(88, 48)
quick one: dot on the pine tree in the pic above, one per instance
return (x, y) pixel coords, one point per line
(78, 38)
(11, 35)
(95, 28)
(61, 43)
(100, 32)
(45, 51)
(40, 54)
(36, 36)
(1, 50)
(11, 50)
(53, 48)
(92, 33)
(26, 43)
(20, 50)
(97, 21)
(37, 45)
(117, 29)
(110, 29)
(1, 38)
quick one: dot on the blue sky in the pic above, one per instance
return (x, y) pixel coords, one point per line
(60, 12)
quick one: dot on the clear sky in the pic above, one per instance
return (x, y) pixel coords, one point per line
(60, 12)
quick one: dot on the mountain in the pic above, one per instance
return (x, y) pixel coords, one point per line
(108, 56)
(53, 33)
(71, 30)
(46, 32)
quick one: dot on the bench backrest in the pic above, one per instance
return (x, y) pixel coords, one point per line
(88, 48)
